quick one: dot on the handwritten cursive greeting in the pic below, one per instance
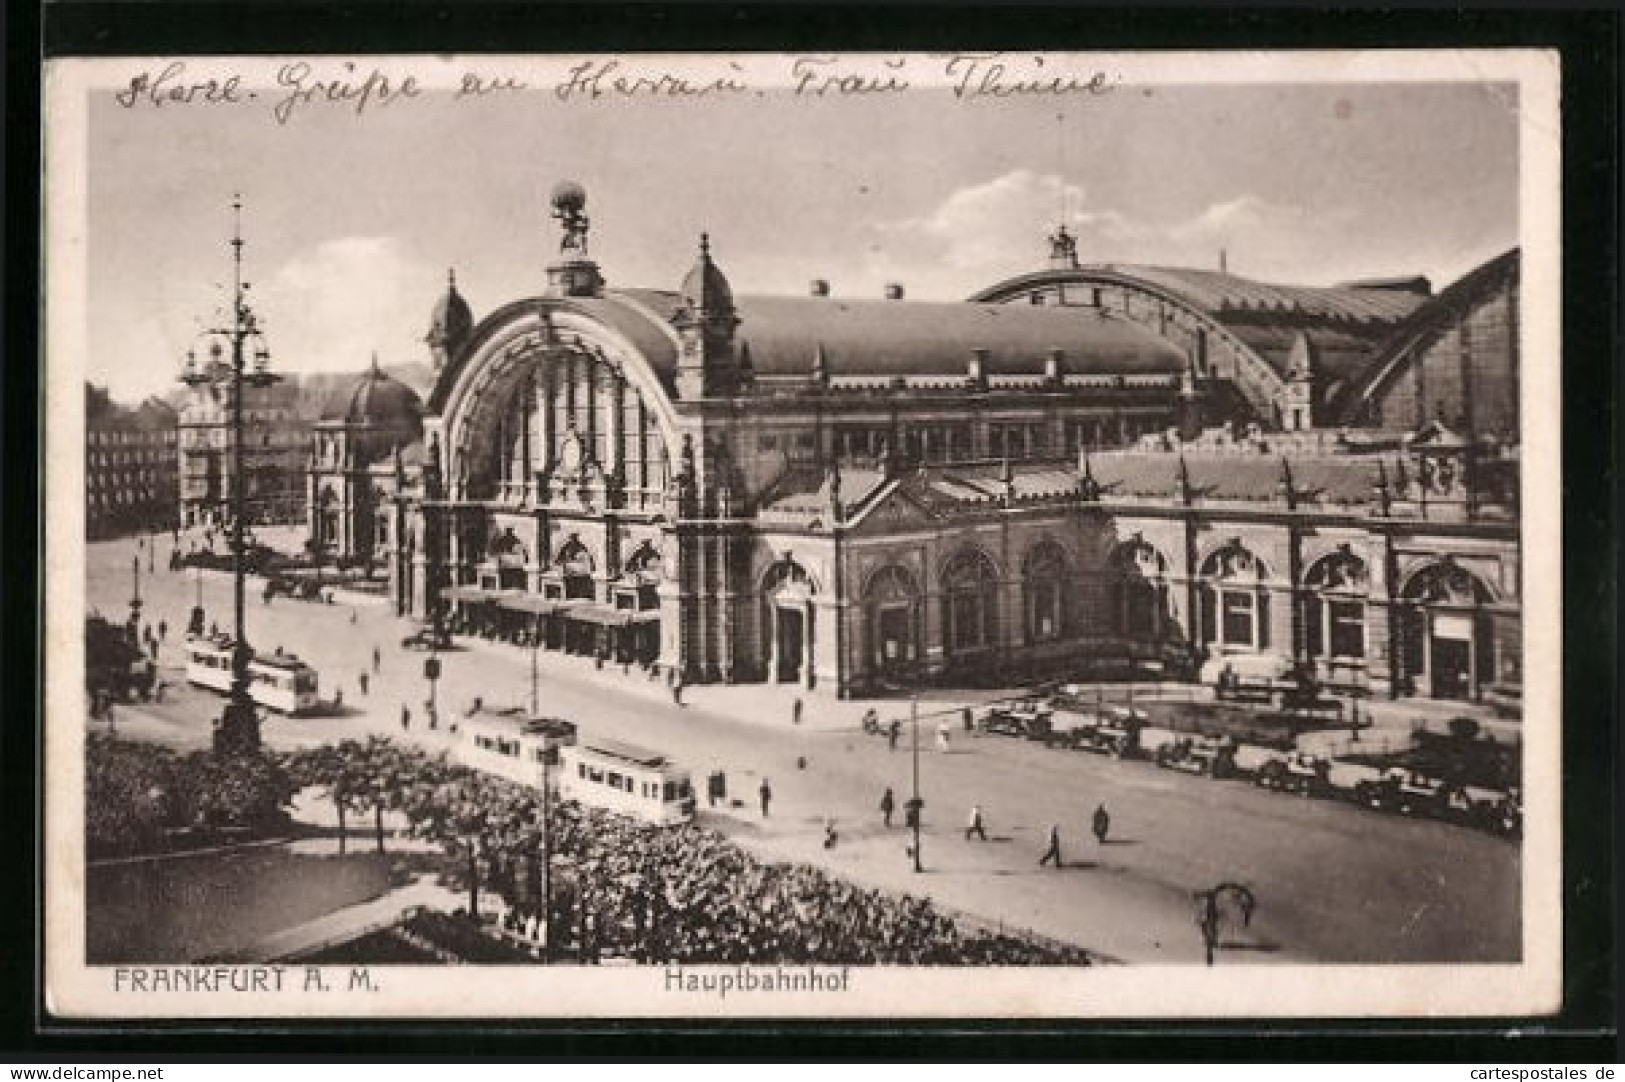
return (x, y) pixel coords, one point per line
(302, 86)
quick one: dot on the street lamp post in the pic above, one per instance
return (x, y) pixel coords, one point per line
(239, 724)
(135, 595)
(918, 804)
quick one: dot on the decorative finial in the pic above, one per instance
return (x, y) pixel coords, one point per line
(705, 245)
(376, 371)
(451, 279)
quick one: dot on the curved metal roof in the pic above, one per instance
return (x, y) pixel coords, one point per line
(917, 338)
(1220, 294)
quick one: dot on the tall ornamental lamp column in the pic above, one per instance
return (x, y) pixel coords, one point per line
(239, 336)
(135, 599)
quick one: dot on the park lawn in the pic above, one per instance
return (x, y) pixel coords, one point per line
(188, 908)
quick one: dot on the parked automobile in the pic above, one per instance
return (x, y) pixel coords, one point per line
(1213, 756)
(427, 638)
(1114, 731)
(1027, 718)
(1297, 772)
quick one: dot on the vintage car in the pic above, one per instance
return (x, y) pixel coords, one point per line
(1114, 731)
(1296, 772)
(1409, 792)
(1214, 756)
(1028, 718)
(427, 638)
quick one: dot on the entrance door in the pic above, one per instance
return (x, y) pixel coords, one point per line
(791, 635)
(1452, 668)
(894, 634)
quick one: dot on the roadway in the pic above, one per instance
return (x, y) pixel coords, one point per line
(1334, 883)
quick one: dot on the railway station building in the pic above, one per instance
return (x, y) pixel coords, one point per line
(1091, 467)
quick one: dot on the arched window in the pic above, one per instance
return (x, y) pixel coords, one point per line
(1235, 602)
(1334, 607)
(970, 589)
(575, 566)
(1044, 593)
(646, 566)
(1139, 590)
(891, 608)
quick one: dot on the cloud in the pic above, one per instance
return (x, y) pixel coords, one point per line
(1003, 219)
(329, 308)
(988, 231)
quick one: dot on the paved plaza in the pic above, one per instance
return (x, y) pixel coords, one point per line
(1334, 883)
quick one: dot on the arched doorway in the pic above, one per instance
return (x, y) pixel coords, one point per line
(970, 591)
(787, 619)
(1446, 646)
(891, 603)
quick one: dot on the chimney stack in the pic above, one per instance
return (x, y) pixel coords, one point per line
(894, 291)
(976, 371)
(1055, 365)
(819, 287)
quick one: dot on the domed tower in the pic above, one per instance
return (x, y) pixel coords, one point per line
(377, 415)
(354, 469)
(705, 322)
(575, 274)
(451, 325)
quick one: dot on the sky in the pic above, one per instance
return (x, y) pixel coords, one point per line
(351, 222)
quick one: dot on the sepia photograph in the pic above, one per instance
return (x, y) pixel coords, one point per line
(845, 535)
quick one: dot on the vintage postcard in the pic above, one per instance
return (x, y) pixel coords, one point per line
(979, 535)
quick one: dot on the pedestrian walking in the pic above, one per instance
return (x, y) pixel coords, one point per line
(912, 807)
(766, 793)
(406, 717)
(831, 838)
(338, 698)
(677, 692)
(377, 660)
(1054, 850)
(795, 711)
(893, 731)
(214, 630)
(163, 630)
(362, 680)
(942, 736)
(888, 804)
(1102, 823)
(969, 719)
(976, 826)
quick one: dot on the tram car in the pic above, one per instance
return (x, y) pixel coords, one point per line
(512, 743)
(627, 779)
(278, 681)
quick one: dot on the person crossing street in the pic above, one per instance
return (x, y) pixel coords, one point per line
(766, 793)
(888, 804)
(976, 826)
(1102, 823)
(1054, 850)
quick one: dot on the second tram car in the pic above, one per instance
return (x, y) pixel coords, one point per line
(627, 779)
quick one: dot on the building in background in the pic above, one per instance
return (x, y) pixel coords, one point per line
(130, 466)
(276, 446)
(369, 437)
(1088, 468)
